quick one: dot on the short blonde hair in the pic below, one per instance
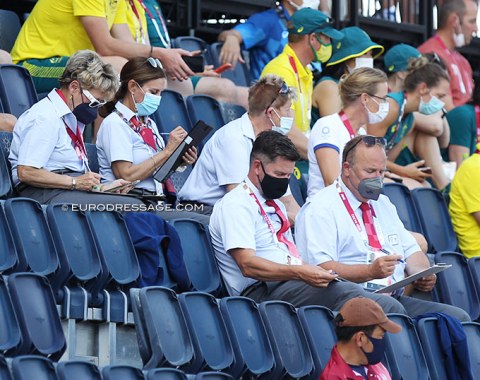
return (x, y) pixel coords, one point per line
(86, 67)
(364, 80)
(266, 93)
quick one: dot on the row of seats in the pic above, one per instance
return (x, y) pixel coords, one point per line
(194, 331)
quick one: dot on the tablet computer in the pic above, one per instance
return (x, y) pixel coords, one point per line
(194, 138)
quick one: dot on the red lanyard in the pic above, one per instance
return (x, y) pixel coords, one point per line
(166, 40)
(349, 208)
(477, 114)
(143, 130)
(347, 124)
(294, 67)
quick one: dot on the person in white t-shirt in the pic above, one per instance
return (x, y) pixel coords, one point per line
(363, 94)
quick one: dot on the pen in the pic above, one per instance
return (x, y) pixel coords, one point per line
(389, 253)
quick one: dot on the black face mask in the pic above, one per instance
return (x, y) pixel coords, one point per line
(273, 187)
(85, 114)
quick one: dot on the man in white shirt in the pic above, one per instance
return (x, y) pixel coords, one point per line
(348, 227)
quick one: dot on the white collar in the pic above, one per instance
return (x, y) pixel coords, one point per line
(124, 110)
(354, 202)
(61, 108)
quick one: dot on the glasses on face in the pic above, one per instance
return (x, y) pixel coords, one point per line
(369, 141)
(155, 63)
(382, 100)
(283, 91)
(94, 102)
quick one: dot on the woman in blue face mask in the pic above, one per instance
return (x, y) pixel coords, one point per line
(128, 143)
(415, 128)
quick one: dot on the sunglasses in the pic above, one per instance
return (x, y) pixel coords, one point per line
(369, 141)
(154, 62)
(94, 102)
(383, 100)
(284, 90)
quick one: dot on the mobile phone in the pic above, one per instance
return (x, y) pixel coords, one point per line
(221, 69)
(122, 187)
(196, 63)
(426, 169)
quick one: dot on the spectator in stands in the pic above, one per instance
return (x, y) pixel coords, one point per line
(309, 40)
(48, 156)
(129, 144)
(465, 131)
(361, 325)
(457, 21)
(375, 252)
(7, 121)
(360, 92)
(355, 50)
(396, 65)
(224, 161)
(464, 205)
(409, 137)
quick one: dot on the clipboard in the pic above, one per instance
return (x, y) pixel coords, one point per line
(194, 138)
(407, 280)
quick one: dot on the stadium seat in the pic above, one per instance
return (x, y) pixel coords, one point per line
(474, 267)
(401, 198)
(9, 29)
(404, 352)
(92, 157)
(17, 91)
(213, 376)
(5, 142)
(118, 259)
(455, 285)
(206, 108)
(239, 75)
(78, 370)
(290, 347)
(213, 349)
(319, 329)
(6, 187)
(172, 113)
(166, 330)
(193, 44)
(253, 352)
(122, 372)
(298, 189)
(435, 220)
(28, 367)
(4, 370)
(472, 331)
(231, 112)
(10, 333)
(32, 237)
(143, 340)
(34, 304)
(198, 255)
(8, 252)
(179, 178)
(166, 374)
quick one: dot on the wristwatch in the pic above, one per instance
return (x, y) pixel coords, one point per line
(74, 184)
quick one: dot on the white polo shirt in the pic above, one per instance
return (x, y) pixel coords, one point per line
(117, 141)
(324, 230)
(225, 159)
(40, 138)
(236, 222)
(328, 132)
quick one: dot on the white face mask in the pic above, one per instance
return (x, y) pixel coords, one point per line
(285, 124)
(459, 39)
(380, 115)
(314, 4)
(363, 62)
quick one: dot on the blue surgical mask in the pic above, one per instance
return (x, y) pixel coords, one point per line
(149, 104)
(434, 105)
(376, 355)
(285, 124)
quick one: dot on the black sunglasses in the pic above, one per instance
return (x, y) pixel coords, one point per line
(369, 141)
(284, 90)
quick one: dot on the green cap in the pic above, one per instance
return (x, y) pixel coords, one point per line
(355, 43)
(308, 20)
(396, 59)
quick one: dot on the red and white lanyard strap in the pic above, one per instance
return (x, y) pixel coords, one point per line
(349, 208)
(165, 40)
(347, 124)
(477, 118)
(294, 67)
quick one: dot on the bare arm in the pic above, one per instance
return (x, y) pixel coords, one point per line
(431, 124)
(327, 159)
(415, 263)
(46, 179)
(326, 98)
(292, 207)
(476, 215)
(231, 49)
(7, 122)
(300, 141)
(458, 153)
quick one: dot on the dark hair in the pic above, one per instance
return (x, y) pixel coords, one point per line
(141, 71)
(345, 333)
(449, 7)
(271, 144)
(335, 71)
(422, 70)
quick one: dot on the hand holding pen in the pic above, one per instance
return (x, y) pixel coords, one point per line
(390, 253)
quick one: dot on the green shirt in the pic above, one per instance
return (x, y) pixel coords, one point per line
(463, 127)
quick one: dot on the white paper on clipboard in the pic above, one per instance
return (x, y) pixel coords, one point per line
(407, 280)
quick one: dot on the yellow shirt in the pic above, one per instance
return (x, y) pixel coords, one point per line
(302, 80)
(465, 200)
(138, 28)
(54, 29)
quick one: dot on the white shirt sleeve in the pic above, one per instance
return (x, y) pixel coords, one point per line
(325, 134)
(116, 139)
(231, 162)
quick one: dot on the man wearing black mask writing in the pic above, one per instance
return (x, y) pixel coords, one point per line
(350, 228)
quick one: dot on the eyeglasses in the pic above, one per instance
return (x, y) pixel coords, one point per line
(94, 102)
(383, 100)
(284, 90)
(369, 141)
(155, 62)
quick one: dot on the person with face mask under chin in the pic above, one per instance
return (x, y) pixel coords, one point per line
(457, 22)
(360, 327)
(48, 155)
(351, 228)
(355, 50)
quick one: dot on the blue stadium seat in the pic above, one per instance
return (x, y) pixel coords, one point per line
(10, 333)
(166, 374)
(435, 220)
(213, 376)
(32, 237)
(253, 352)
(122, 372)
(319, 328)
(28, 367)
(213, 349)
(172, 113)
(4, 370)
(240, 75)
(455, 285)
(5, 142)
(92, 157)
(170, 344)
(143, 340)
(400, 196)
(34, 304)
(290, 347)
(404, 352)
(17, 91)
(9, 29)
(118, 259)
(6, 187)
(179, 178)
(8, 252)
(472, 331)
(474, 266)
(206, 108)
(193, 44)
(198, 255)
(78, 370)
(231, 112)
